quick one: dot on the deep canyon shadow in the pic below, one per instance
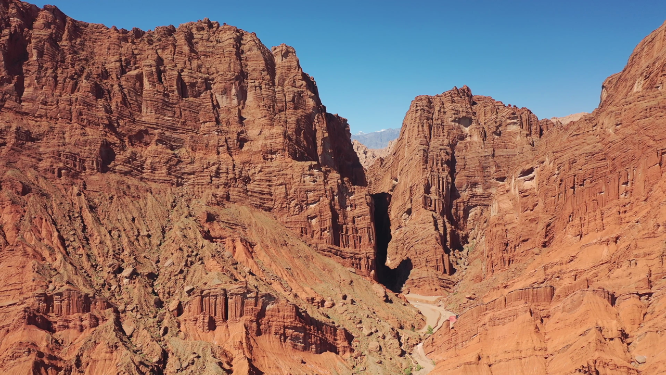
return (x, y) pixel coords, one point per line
(393, 279)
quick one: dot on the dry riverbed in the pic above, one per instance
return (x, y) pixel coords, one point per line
(436, 315)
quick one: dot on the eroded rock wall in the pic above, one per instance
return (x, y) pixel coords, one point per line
(170, 201)
(454, 151)
(205, 106)
(581, 216)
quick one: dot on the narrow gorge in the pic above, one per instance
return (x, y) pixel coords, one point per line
(391, 278)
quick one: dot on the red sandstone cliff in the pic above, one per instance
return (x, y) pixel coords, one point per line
(180, 201)
(568, 275)
(454, 151)
(201, 105)
(169, 203)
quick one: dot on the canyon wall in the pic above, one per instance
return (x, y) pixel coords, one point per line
(206, 106)
(576, 234)
(179, 200)
(455, 150)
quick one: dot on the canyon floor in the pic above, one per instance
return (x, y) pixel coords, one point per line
(436, 316)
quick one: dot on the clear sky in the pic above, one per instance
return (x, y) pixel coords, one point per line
(371, 58)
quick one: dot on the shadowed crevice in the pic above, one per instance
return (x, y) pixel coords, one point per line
(393, 279)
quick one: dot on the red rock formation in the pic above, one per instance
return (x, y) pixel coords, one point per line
(169, 201)
(454, 150)
(204, 106)
(212, 309)
(582, 215)
(368, 156)
(141, 173)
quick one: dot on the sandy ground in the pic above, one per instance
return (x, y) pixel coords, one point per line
(435, 316)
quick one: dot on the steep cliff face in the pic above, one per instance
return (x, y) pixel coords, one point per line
(454, 151)
(169, 202)
(204, 105)
(569, 276)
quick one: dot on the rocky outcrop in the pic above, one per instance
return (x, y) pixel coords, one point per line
(205, 106)
(178, 200)
(581, 214)
(454, 151)
(213, 310)
(368, 156)
(569, 118)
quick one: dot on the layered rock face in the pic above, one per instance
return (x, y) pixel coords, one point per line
(569, 276)
(170, 201)
(202, 105)
(454, 151)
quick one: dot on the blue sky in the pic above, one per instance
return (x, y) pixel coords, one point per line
(371, 58)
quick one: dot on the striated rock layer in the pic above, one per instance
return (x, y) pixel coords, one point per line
(170, 201)
(180, 201)
(569, 274)
(455, 150)
(203, 106)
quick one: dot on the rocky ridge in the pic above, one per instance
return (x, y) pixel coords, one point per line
(568, 276)
(567, 119)
(454, 151)
(368, 156)
(179, 200)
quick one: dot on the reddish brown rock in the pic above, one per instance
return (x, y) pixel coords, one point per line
(180, 201)
(454, 151)
(204, 106)
(169, 202)
(368, 156)
(578, 223)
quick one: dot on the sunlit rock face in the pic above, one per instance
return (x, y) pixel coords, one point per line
(178, 200)
(204, 105)
(455, 150)
(568, 276)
